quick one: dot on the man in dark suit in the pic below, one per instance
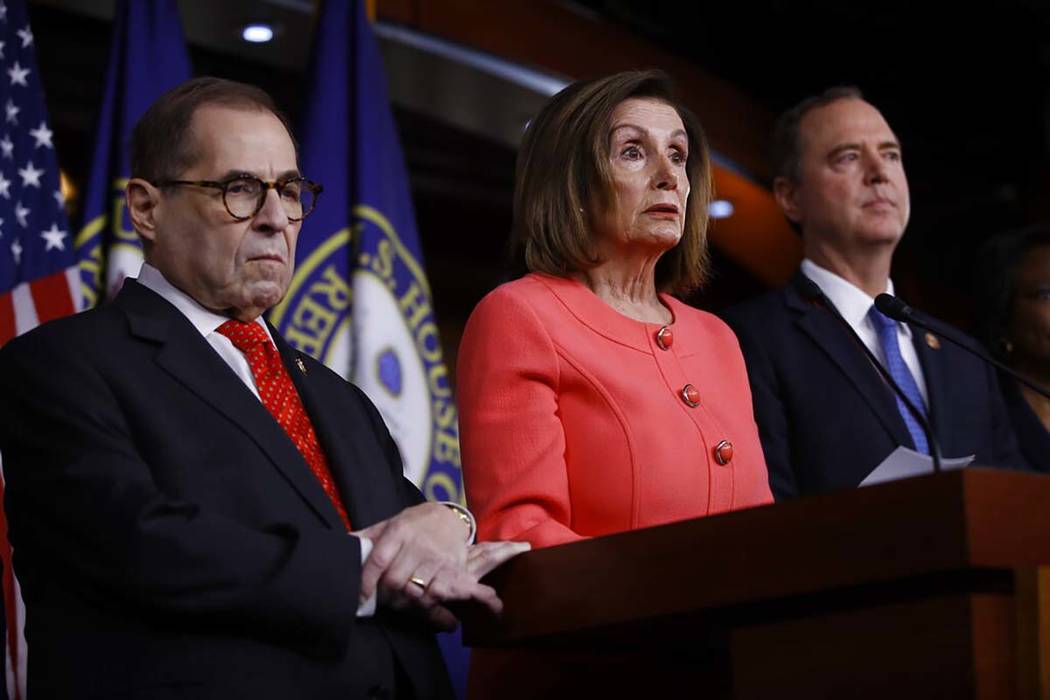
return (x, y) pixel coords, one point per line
(826, 417)
(198, 510)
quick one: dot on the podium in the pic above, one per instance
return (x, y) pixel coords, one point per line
(932, 587)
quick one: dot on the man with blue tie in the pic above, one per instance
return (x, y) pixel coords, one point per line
(826, 416)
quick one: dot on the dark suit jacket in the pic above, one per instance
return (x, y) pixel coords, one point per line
(826, 417)
(171, 541)
(3, 639)
(1032, 436)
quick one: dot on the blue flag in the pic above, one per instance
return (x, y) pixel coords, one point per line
(359, 300)
(147, 57)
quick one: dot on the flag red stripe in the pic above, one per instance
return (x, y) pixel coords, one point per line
(7, 318)
(51, 296)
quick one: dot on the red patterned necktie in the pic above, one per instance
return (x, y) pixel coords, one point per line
(281, 399)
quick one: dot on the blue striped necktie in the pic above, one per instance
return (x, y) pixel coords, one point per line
(887, 330)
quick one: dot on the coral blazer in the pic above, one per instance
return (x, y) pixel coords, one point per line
(574, 420)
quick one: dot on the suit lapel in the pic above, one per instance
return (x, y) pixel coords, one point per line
(936, 375)
(828, 334)
(335, 430)
(188, 357)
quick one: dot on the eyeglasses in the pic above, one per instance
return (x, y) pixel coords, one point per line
(245, 195)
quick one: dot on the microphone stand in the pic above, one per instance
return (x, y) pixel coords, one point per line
(815, 293)
(899, 311)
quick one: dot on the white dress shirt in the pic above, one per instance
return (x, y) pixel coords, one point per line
(854, 304)
(207, 322)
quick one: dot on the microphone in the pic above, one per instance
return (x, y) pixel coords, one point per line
(899, 311)
(814, 293)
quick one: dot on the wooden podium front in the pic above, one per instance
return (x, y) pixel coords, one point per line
(934, 587)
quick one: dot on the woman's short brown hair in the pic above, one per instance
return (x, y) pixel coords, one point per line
(563, 178)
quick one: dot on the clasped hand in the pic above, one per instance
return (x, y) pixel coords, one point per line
(420, 558)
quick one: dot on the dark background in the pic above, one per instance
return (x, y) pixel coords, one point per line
(966, 89)
(967, 92)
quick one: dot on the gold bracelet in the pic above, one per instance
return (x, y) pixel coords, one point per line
(466, 516)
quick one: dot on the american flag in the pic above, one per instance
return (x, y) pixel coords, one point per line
(38, 276)
(39, 280)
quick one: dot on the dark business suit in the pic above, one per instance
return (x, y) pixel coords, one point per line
(1032, 436)
(171, 541)
(825, 416)
(3, 639)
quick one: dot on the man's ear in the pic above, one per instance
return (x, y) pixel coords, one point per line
(786, 193)
(143, 200)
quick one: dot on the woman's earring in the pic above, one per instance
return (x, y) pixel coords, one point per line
(1006, 346)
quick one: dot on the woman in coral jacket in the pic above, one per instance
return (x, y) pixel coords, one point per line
(591, 399)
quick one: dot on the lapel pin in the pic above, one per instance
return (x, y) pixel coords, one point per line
(302, 367)
(933, 341)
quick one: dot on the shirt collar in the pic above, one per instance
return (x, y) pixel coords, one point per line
(851, 301)
(204, 320)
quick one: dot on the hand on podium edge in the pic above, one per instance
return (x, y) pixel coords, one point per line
(451, 589)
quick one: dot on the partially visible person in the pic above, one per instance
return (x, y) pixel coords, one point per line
(1015, 318)
(592, 400)
(826, 415)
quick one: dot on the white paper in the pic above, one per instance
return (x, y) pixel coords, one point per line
(903, 463)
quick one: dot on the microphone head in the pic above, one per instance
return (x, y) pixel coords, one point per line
(893, 307)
